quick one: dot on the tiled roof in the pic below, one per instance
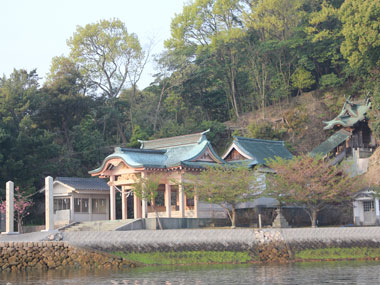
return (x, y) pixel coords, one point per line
(173, 141)
(176, 153)
(262, 150)
(331, 143)
(84, 183)
(352, 113)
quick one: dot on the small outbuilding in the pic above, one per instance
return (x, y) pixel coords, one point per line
(80, 199)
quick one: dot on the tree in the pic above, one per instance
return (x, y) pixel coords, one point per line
(225, 186)
(361, 31)
(147, 189)
(211, 25)
(107, 54)
(23, 144)
(309, 182)
(302, 79)
(21, 205)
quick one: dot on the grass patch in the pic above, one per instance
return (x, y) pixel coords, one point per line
(186, 257)
(338, 253)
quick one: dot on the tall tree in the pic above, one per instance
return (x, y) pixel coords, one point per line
(361, 30)
(214, 25)
(309, 182)
(23, 144)
(107, 54)
(225, 186)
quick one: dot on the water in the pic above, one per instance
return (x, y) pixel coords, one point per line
(298, 273)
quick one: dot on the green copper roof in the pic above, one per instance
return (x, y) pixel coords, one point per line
(178, 154)
(331, 143)
(262, 150)
(183, 140)
(352, 113)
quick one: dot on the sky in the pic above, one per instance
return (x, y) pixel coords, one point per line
(32, 32)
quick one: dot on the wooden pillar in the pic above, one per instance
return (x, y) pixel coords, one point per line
(9, 216)
(195, 206)
(124, 214)
(181, 194)
(144, 205)
(168, 200)
(112, 199)
(90, 207)
(136, 207)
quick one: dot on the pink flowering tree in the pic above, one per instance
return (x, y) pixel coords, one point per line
(21, 205)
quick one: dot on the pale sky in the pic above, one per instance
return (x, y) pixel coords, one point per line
(32, 32)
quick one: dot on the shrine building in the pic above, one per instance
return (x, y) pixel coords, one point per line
(170, 158)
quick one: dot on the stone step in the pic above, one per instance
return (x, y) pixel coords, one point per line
(103, 225)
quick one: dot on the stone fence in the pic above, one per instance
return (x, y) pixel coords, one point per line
(52, 254)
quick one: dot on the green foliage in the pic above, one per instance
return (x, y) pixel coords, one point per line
(147, 187)
(309, 182)
(330, 80)
(265, 131)
(224, 185)
(186, 257)
(302, 79)
(138, 134)
(105, 52)
(338, 253)
(361, 31)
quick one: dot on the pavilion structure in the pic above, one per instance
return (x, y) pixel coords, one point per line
(170, 158)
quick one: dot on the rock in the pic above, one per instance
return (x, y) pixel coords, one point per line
(12, 260)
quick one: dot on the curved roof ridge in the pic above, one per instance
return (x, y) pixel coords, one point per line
(259, 140)
(139, 150)
(163, 139)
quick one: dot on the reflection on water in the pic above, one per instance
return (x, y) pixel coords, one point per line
(298, 273)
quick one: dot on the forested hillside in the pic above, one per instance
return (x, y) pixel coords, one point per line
(244, 62)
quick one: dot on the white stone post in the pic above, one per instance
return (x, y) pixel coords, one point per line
(112, 199)
(168, 200)
(259, 221)
(72, 208)
(9, 196)
(49, 205)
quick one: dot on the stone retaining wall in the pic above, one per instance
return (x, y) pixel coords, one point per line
(51, 254)
(89, 248)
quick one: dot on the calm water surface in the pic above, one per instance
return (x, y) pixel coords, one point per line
(299, 273)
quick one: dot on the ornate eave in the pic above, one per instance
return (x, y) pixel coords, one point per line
(239, 149)
(351, 113)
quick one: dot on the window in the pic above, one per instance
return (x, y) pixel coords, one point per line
(368, 206)
(81, 205)
(99, 206)
(61, 204)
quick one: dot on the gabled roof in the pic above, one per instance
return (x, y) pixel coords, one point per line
(78, 183)
(258, 151)
(331, 143)
(180, 151)
(183, 140)
(352, 113)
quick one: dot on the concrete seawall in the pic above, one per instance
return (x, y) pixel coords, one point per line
(265, 245)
